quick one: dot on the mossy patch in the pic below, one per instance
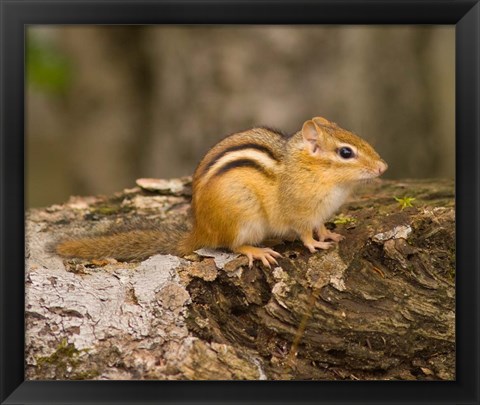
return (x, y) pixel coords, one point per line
(65, 363)
(103, 210)
(344, 219)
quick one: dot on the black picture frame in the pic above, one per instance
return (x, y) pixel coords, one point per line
(16, 14)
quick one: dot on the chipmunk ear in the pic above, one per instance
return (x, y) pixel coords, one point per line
(322, 121)
(313, 137)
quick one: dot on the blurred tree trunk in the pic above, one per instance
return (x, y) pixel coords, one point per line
(108, 106)
(149, 101)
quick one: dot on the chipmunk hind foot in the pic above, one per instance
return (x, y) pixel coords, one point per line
(266, 255)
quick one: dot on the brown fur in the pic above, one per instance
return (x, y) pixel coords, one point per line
(249, 186)
(130, 245)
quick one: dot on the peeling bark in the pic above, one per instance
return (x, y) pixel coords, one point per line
(381, 305)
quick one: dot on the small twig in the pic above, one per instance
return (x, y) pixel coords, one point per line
(303, 325)
(376, 269)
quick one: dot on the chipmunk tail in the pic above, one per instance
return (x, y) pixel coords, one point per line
(128, 245)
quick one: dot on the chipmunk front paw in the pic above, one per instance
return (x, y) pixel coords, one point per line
(326, 234)
(312, 245)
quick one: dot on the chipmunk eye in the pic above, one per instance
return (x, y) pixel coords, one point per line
(345, 152)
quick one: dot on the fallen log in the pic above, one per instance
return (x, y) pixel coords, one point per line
(379, 306)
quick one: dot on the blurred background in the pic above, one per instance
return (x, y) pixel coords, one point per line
(106, 105)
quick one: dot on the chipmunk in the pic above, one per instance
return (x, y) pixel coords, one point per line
(254, 185)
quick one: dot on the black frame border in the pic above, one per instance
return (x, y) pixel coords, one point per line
(16, 14)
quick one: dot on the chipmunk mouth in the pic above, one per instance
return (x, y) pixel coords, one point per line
(370, 174)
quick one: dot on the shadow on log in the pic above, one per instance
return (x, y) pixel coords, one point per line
(379, 306)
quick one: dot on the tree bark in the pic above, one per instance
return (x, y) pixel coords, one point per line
(379, 306)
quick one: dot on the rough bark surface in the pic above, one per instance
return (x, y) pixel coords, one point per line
(380, 305)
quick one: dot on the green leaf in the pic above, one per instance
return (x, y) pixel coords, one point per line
(405, 202)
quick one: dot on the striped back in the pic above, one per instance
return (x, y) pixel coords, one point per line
(258, 149)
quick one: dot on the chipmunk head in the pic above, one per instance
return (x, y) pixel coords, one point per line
(336, 149)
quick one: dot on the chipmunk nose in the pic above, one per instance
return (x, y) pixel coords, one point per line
(382, 167)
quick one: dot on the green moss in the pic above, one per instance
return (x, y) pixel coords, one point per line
(106, 210)
(64, 351)
(344, 219)
(452, 269)
(85, 375)
(64, 362)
